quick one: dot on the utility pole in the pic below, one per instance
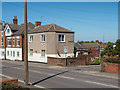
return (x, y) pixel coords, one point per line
(25, 45)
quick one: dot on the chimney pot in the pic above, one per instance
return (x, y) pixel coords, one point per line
(37, 23)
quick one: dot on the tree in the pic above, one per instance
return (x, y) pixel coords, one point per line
(92, 42)
(117, 48)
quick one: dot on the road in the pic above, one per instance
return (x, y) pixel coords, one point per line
(50, 76)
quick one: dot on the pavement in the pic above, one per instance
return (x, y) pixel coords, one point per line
(51, 76)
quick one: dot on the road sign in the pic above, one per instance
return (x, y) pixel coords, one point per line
(65, 49)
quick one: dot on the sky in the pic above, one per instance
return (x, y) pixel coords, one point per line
(89, 20)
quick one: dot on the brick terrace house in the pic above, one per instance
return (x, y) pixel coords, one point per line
(14, 35)
(92, 49)
(49, 41)
(2, 41)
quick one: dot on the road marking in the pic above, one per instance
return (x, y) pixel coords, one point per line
(101, 84)
(96, 74)
(38, 86)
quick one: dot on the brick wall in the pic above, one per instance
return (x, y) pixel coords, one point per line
(111, 67)
(12, 81)
(15, 45)
(80, 60)
(3, 39)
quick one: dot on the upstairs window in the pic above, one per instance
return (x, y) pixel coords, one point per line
(13, 42)
(1, 33)
(18, 41)
(8, 31)
(31, 38)
(61, 38)
(9, 41)
(42, 38)
(2, 42)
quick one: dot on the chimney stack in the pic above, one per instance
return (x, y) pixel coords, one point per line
(37, 23)
(15, 21)
(97, 41)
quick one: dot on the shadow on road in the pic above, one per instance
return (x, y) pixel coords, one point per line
(49, 77)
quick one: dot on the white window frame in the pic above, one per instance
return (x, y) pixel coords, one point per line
(61, 38)
(42, 53)
(43, 38)
(18, 53)
(8, 41)
(1, 41)
(2, 53)
(1, 33)
(8, 53)
(18, 40)
(7, 30)
(31, 39)
(30, 52)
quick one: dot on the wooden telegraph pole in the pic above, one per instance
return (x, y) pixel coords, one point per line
(25, 45)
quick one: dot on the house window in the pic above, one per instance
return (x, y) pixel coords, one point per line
(18, 54)
(43, 53)
(7, 53)
(8, 31)
(42, 38)
(1, 33)
(31, 38)
(13, 53)
(61, 38)
(2, 42)
(2, 54)
(9, 41)
(13, 42)
(31, 51)
(18, 41)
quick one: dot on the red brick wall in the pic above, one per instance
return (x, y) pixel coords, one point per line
(12, 81)
(3, 39)
(111, 67)
(80, 60)
(20, 46)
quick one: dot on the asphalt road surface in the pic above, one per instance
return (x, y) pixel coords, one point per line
(51, 76)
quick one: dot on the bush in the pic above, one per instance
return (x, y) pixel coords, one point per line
(95, 62)
(112, 60)
(9, 86)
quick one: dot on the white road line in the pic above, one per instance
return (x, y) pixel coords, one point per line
(102, 84)
(38, 86)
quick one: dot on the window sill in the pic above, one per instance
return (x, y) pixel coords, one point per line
(42, 42)
(61, 41)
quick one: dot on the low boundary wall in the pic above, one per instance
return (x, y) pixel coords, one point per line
(80, 60)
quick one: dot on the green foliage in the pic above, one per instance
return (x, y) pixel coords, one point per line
(92, 42)
(112, 51)
(100, 43)
(95, 62)
(117, 48)
(9, 86)
(113, 60)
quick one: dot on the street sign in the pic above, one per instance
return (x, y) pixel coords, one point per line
(65, 49)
